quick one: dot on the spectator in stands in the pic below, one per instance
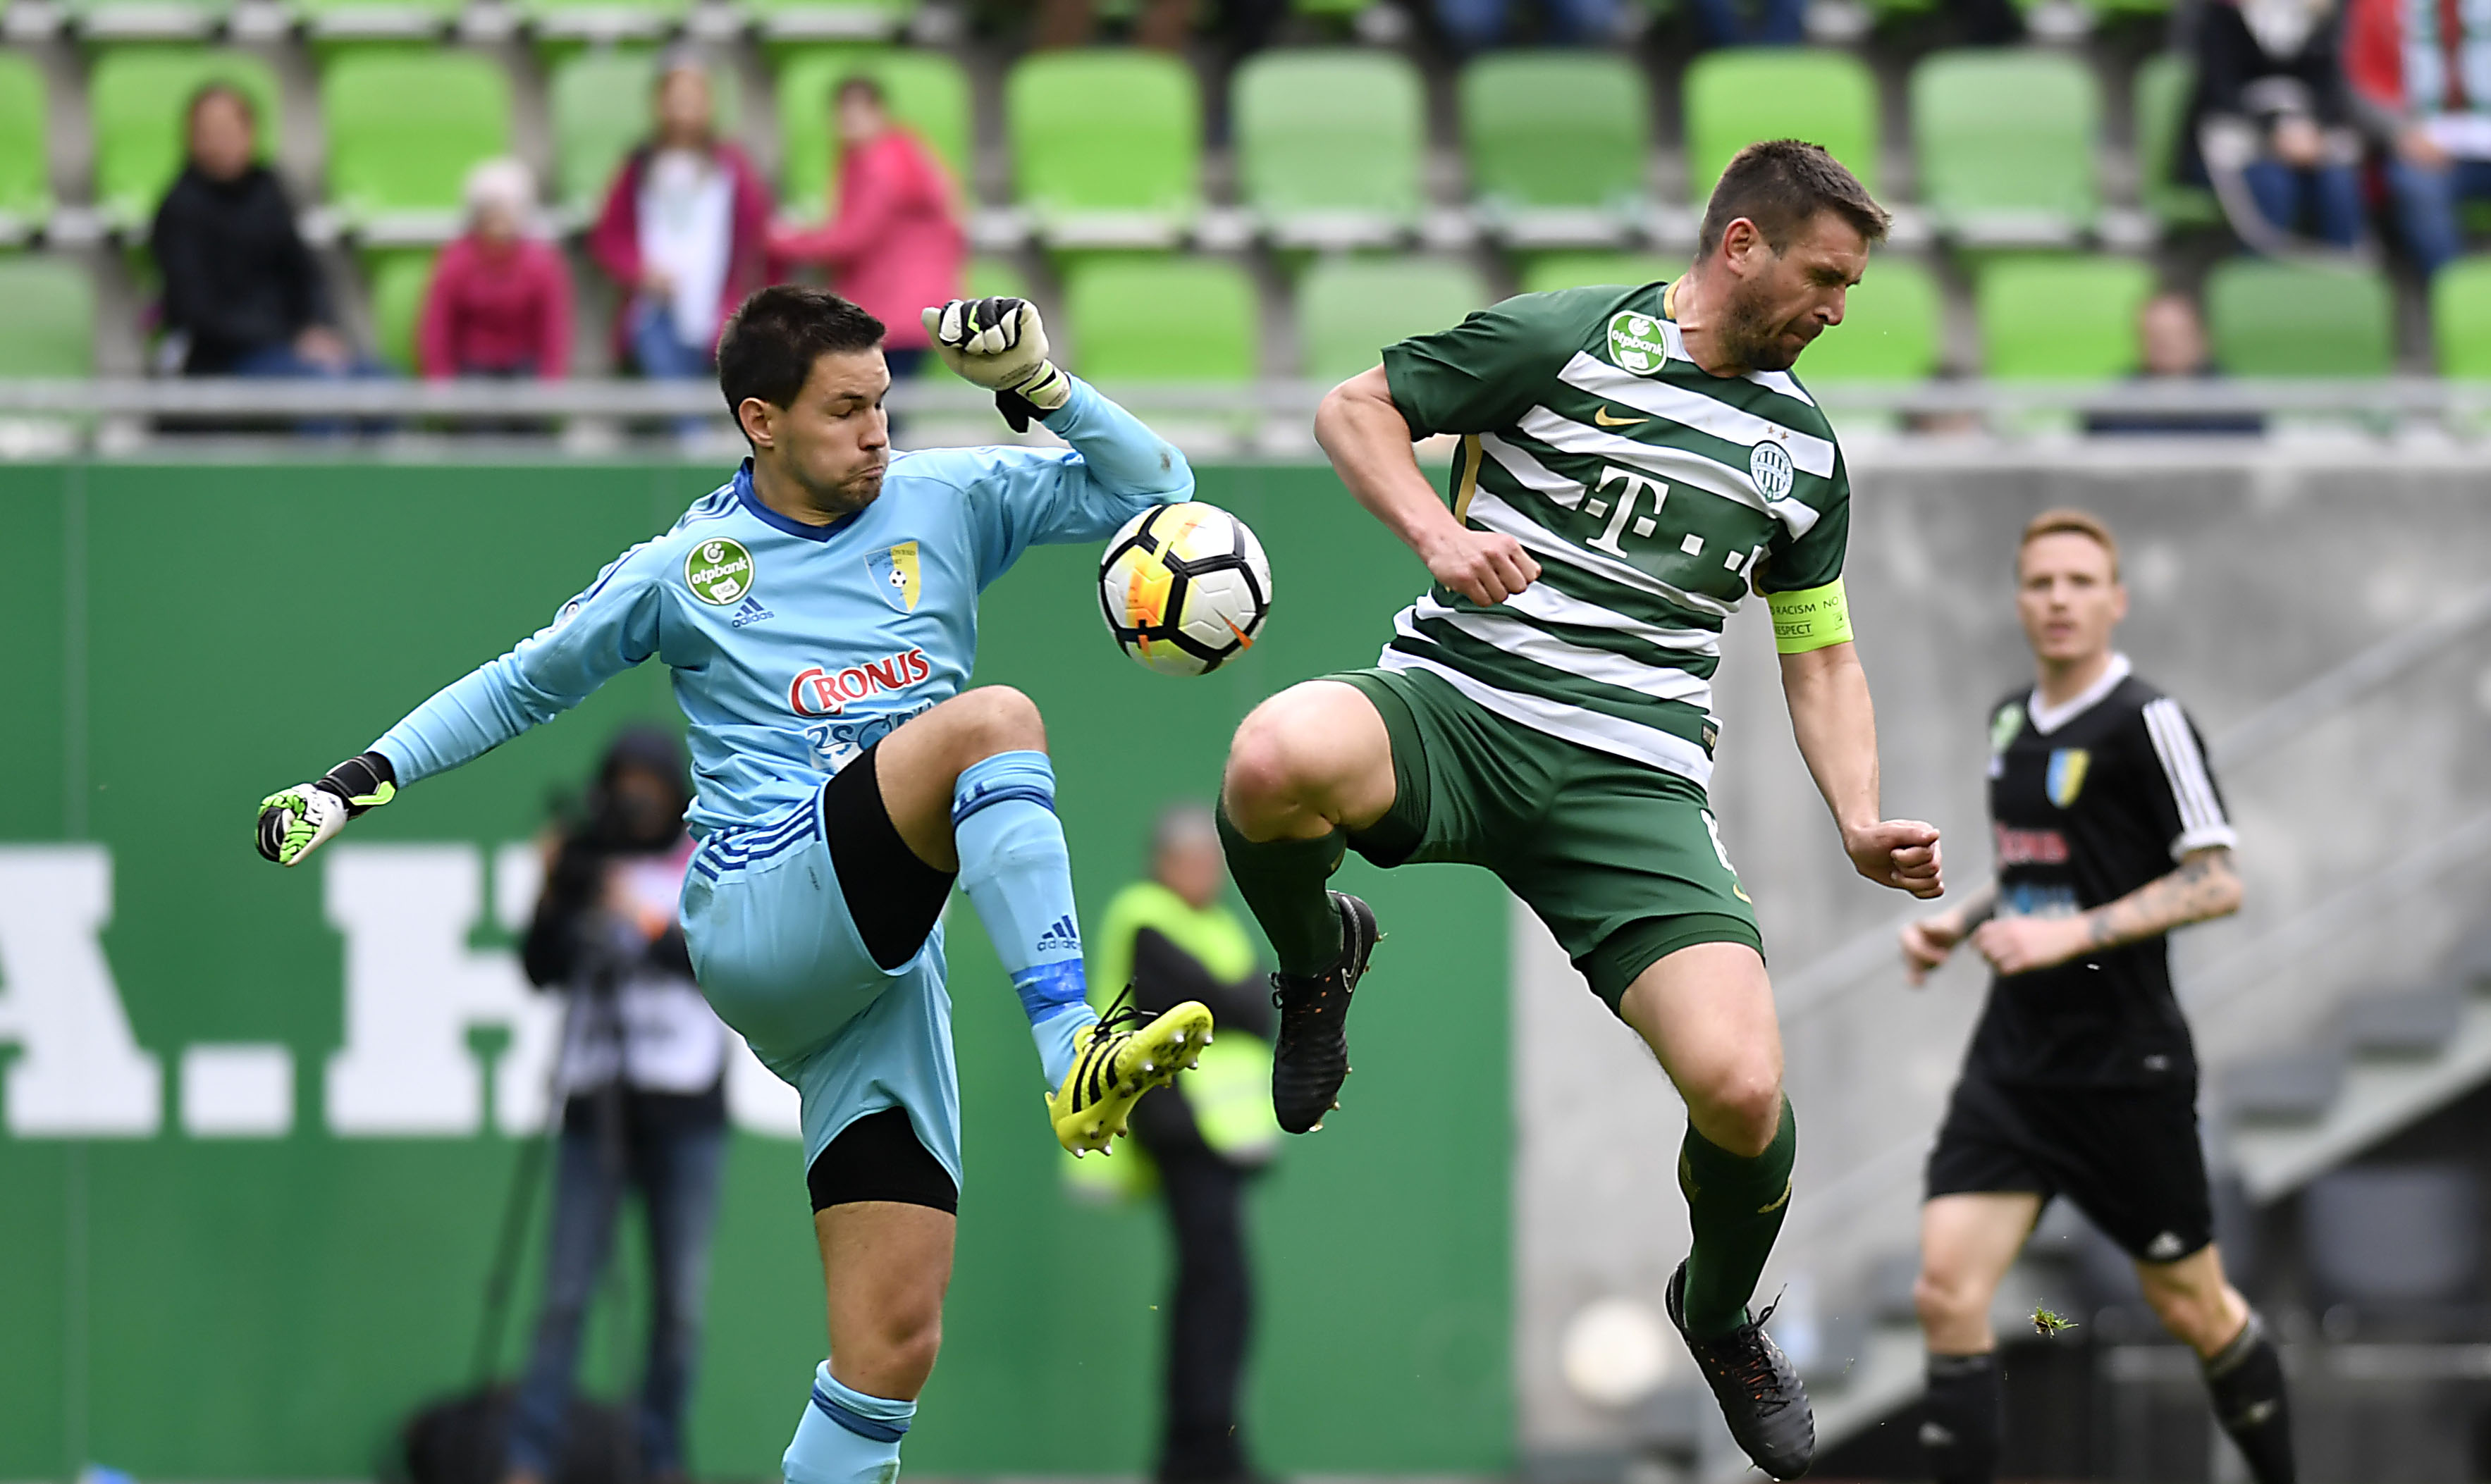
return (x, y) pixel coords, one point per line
(2270, 128)
(242, 290)
(499, 303)
(2409, 63)
(684, 231)
(1162, 25)
(1478, 25)
(2170, 345)
(893, 244)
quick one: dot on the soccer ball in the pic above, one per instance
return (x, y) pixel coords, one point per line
(1185, 588)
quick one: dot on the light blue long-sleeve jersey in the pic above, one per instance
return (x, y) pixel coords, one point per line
(794, 648)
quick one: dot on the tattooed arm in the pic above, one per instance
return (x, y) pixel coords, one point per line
(1927, 941)
(2203, 887)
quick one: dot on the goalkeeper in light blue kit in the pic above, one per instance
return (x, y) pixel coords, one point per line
(819, 613)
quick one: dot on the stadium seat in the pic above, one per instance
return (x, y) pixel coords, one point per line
(1894, 328)
(1106, 145)
(597, 104)
(991, 277)
(1740, 95)
(783, 21)
(2283, 319)
(2161, 89)
(2460, 319)
(1580, 270)
(2060, 318)
(405, 126)
(398, 281)
(1350, 309)
(48, 304)
(136, 97)
(927, 90)
(25, 156)
(1329, 144)
(2005, 142)
(1116, 309)
(1555, 133)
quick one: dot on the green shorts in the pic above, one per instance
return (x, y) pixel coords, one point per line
(1619, 860)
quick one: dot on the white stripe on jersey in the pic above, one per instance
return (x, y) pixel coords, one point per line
(1695, 410)
(1541, 600)
(2202, 824)
(1596, 730)
(1686, 467)
(1513, 636)
(1530, 473)
(1494, 514)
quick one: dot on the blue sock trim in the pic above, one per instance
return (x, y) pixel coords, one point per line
(873, 1428)
(1025, 776)
(1050, 987)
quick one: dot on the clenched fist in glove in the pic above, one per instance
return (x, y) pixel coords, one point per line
(1001, 345)
(295, 822)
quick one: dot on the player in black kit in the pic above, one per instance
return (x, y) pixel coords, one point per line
(2080, 1080)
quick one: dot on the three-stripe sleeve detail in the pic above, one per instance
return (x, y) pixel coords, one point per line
(2202, 822)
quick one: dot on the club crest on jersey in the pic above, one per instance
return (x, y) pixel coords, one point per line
(719, 571)
(896, 576)
(820, 691)
(2066, 775)
(1769, 464)
(1636, 342)
(2004, 726)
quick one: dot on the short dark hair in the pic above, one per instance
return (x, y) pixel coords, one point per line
(771, 344)
(1781, 184)
(859, 83)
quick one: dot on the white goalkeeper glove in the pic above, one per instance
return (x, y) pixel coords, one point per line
(1000, 345)
(295, 822)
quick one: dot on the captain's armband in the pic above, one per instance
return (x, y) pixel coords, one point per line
(1811, 619)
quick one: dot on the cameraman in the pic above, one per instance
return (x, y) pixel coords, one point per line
(643, 1075)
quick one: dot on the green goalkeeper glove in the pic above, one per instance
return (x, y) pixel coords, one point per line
(1000, 345)
(295, 822)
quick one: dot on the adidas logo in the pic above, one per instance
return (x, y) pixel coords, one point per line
(751, 612)
(1060, 936)
(2163, 1248)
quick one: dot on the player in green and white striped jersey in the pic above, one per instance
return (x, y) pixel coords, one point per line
(1633, 462)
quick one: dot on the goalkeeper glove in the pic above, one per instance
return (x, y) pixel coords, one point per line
(1001, 345)
(295, 822)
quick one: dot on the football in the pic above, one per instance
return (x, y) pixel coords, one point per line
(1185, 588)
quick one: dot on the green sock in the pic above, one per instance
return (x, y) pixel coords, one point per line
(1737, 1207)
(1282, 882)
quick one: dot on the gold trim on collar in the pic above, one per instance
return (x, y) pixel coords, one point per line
(1669, 300)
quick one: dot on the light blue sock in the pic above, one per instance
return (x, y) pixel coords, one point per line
(846, 1437)
(1016, 871)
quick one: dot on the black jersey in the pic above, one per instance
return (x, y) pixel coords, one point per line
(2089, 801)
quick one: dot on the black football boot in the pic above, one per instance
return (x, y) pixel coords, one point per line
(1312, 1056)
(1760, 1395)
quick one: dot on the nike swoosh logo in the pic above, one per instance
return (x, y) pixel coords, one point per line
(1603, 417)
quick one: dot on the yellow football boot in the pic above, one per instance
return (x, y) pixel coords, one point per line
(1121, 1058)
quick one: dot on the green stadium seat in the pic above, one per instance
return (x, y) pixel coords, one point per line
(2060, 318)
(2160, 110)
(405, 126)
(1350, 309)
(2007, 142)
(48, 304)
(146, 20)
(2460, 319)
(2285, 319)
(597, 105)
(1555, 135)
(1737, 96)
(927, 90)
(1116, 308)
(1329, 144)
(1893, 328)
(789, 21)
(136, 100)
(399, 282)
(1581, 270)
(25, 154)
(1106, 145)
(990, 277)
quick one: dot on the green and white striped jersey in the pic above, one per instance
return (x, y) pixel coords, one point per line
(1654, 494)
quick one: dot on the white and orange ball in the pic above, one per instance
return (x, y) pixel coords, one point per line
(1185, 588)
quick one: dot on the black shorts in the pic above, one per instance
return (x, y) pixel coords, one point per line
(2128, 1157)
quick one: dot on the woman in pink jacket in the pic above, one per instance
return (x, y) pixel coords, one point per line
(893, 244)
(499, 303)
(684, 231)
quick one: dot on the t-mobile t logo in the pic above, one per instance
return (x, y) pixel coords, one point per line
(1623, 508)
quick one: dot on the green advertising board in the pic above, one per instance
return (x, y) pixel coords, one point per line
(257, 1127)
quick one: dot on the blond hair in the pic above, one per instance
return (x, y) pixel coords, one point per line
(2071, 521)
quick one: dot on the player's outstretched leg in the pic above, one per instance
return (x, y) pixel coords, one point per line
(2244, 1369)
(1308, 766)
(1706, 1011)
(1968, 1241)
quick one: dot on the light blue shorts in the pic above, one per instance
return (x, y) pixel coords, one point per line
(781, 962)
